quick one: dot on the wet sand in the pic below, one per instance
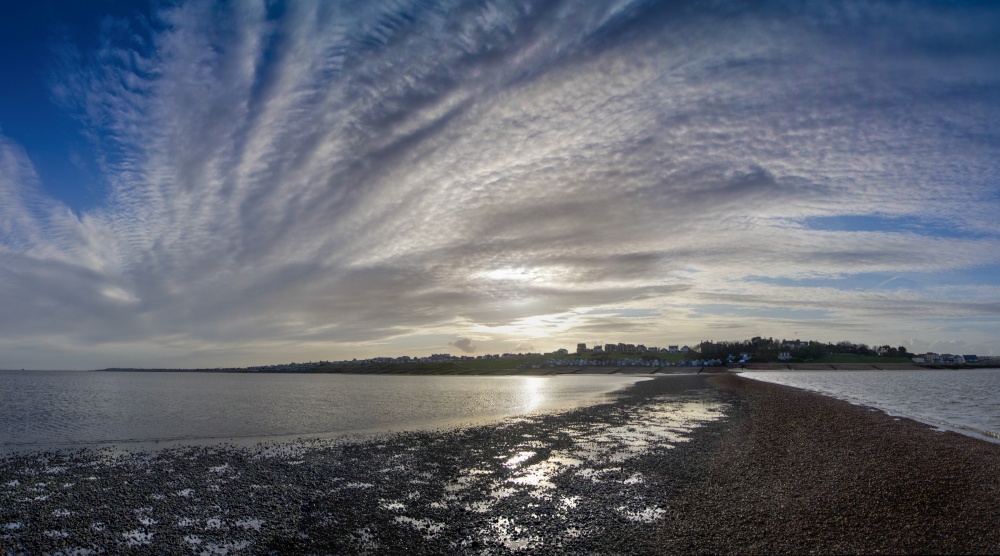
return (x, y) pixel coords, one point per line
(680, 464)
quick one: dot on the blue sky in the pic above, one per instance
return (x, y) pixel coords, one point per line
(234, 183)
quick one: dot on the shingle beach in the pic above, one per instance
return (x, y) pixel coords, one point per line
(679, 464)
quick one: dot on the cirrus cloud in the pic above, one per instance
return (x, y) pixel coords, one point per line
(338, 179)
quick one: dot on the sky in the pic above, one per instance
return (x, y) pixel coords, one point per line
(210, 184)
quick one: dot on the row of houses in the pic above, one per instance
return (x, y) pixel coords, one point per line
(286, 367)
(931, 357)
(630, 348)
(438, 358)
(630, 362)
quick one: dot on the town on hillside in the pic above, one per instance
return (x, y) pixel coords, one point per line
(757, 350)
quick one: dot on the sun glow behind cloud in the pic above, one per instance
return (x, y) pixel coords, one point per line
(331, 180)
(515, 274)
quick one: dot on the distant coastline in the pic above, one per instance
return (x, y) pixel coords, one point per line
(757, 353)
(431, 369)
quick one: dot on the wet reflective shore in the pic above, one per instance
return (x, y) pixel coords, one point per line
(594, 479)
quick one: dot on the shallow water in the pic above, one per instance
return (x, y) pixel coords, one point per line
(966, 401)
(56, 409)
(533, 482)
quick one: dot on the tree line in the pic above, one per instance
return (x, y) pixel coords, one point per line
(768, 349)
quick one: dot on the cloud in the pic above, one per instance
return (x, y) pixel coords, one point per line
(336, 178)
(464, 344)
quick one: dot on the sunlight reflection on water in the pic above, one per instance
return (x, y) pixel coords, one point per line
(72, 409)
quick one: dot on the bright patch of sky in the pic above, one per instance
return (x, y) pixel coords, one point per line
(201, 183)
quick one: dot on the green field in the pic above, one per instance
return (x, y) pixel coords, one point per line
(480, 365)
(442, 367)
(538, 361)
(848, 358)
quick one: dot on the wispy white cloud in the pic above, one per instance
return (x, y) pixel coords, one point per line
(333, 178)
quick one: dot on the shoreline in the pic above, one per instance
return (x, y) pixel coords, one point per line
(915, 412)
(681, 464)
(571, 481)
(862, 367)
(803, 472)
(546, 371)
(563, 370)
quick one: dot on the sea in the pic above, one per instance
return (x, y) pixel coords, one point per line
(964, 401)
(66, 410)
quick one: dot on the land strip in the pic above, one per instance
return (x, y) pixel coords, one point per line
(802, 473)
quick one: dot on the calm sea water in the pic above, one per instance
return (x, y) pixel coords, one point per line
(966, 401)
(57, 409)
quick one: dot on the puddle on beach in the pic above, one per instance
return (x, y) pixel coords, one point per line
(644, 515)
(521, 493)
(429, 528)
(510, 535)
(531, 470)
